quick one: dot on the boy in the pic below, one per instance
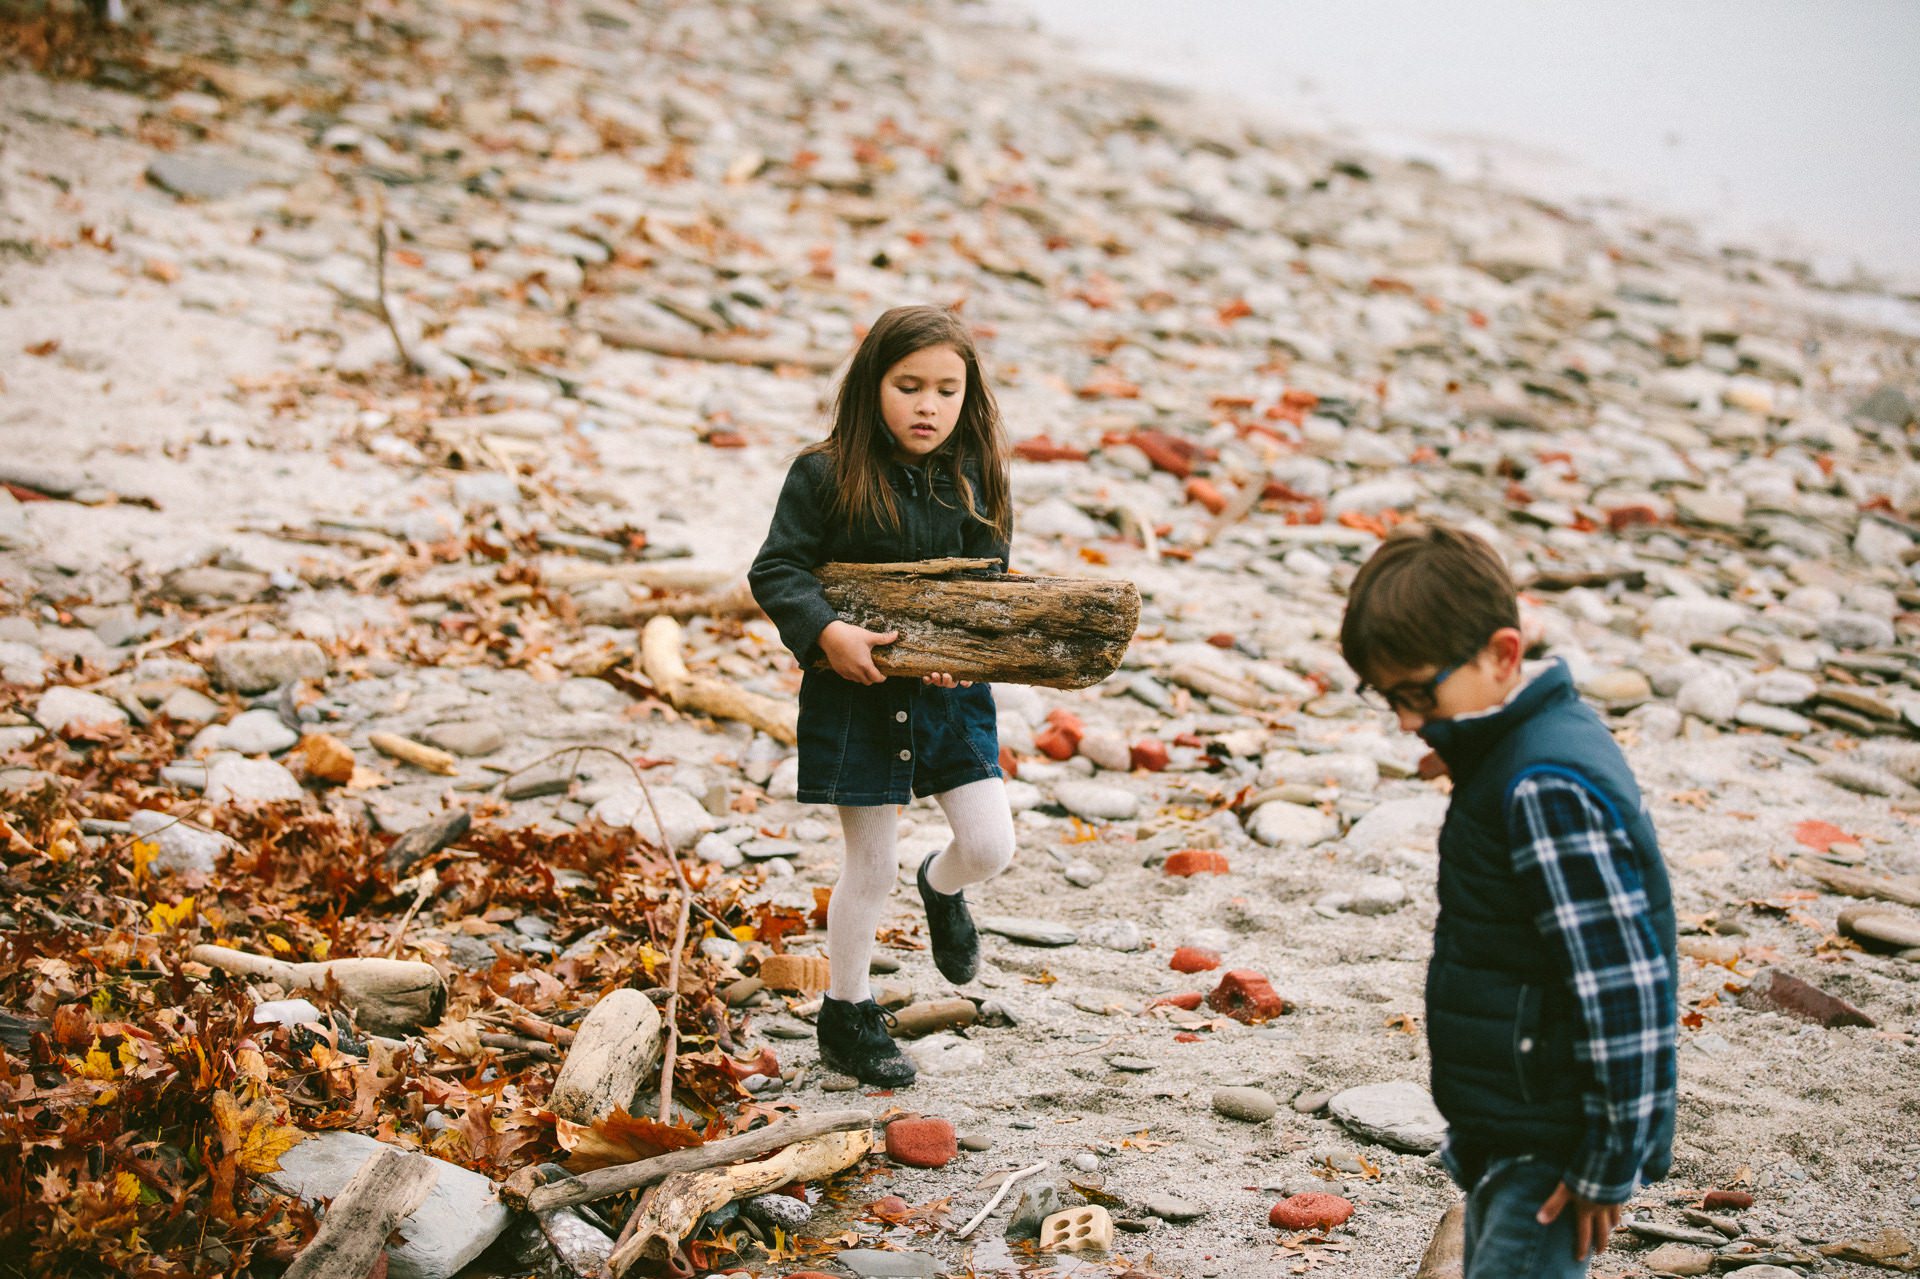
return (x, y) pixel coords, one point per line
(1550, 998)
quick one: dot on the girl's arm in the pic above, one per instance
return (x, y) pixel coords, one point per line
(782, 574)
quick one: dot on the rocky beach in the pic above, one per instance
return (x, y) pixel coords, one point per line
(392, 399)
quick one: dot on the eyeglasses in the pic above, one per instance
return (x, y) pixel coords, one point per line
(1414, 698)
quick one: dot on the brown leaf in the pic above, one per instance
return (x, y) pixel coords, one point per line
(620, 1138)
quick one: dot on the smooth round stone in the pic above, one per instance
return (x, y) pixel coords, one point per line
(1130, 1064)
(1168, 1208)
(1279, 824)
(1097, 801)
(1083, 874)
(1378, 895)
(839, 1083)
(1775, 719)
(1622, 687)
(1086, 1161)
(1856, 630)
(1116, 934)
(976, 1142)
(1784, 688)
(1712, 695)
(467, 737)
(1249, 1105)
(1312, 1103)
(781, 1211)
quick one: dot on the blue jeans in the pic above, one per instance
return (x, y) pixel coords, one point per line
(1504, 1241)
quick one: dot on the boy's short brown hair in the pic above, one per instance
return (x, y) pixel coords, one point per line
(1432, 595)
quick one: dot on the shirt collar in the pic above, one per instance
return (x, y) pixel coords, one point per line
(1464, 739)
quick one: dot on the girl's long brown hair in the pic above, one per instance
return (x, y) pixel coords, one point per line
(862, 448)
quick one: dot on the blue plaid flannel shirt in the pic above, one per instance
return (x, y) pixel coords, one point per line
(1578, 871)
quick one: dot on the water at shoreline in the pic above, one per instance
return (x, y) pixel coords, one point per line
(1784, 125)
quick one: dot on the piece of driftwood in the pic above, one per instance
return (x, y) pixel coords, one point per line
(629, 337)
(1211, 683)
(1446, 1253)
(658, 575)
(1006, 1184)
(1877, 928)
(424, 840)
(675, 1207)
(353, 1235)
(419, 754)
(617, 1045)
(520, 1192)
(732, 601)
(1854, 883)
(660, 659)
(955, 618)
(389, 996)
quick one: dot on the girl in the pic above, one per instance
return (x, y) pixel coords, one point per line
(915, 468)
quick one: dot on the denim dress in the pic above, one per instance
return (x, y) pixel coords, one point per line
(862, 745)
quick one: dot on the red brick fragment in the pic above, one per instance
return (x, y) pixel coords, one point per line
(1186, 1037)
(1039, 448)
(1189, 1000)
(1310, 1211)
(1150, 755)
(1782, 992)
(921, 1143)
(1623, 517)
(1008, 764)
(1245, 995)
(1197, 861)
(1194, 959)
(1736, 1199)
(1061, 737)
(1208, 494)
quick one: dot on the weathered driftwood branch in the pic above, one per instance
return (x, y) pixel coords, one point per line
(1447, 1250)
(419, 754)
(709, 695)
(678, 1202)
(1211, 683)
(630, 337)
(565, 573)
(1061, 632)
(383, 1193)
(389, 996)
(423, 841)
(732, 601)
(605, 1182)
(1854, 883)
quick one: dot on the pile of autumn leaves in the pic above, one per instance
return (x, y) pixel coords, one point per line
(139, 1105)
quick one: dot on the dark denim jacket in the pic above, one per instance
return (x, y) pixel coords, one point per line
(882, 743)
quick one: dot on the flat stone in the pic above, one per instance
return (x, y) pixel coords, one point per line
(1108, 750)
(61, 708)
(1783, 688)
(1398, 1114)
(190, 706)
(1378, 895)
(255, 666)
(1686, 620)
(1678, 1259)
(1131, 1064)
(208, 585)
(1775, 719)
(466, 737)
(1621, 688)
(1115, 934)
(1029, 932)
(203, 175)
(1249, 1105)
(684, 817)
(257, 732)
(1399, 823)
(1169, 1208)
(1844, 629)
(872, 1263)
(1097, 802)
(232, 779)
(784, 1212)
(459, 1218)
(1279, 824)
(1712, 695)
(1860, 778)
(182, 848)
(1777, 991)
(1038, 1201)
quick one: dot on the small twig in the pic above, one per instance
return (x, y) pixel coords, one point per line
(426, 891)
(994, 1202)
(520, 1043)
(671, 1015)
(380, 288)
(139, 651)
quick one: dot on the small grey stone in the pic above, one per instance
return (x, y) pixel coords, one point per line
(719, 850)
(1279, 824)
(235, 780)
(1083, 874)
(260, 732)
(839, 1083)
(61, 708)
(1029, 932)
(975, 1142)
(1775, 719)
(1130, 1064)
(1378, 895)
(1038, 1201)
(207, 585)
(254, 666)
(783, 1212)
(1168, 1208)
(1860, 778)
(1249, 1105)
(1116, 934)
(1856, 630)
(190, 706)
(1712, 695)
(1398, 1114)
(1086, 1161)
(183, 848)
(1313, 1101)
(466, 737)
(202, 175)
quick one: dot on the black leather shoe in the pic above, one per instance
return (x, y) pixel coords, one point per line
(854, 1041)
(956, 946)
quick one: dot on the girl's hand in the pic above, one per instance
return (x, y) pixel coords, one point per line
(942, 680)
(849, 650)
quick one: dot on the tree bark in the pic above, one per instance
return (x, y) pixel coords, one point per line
(955, 618)
(605, 1182)
(386, 1189)
(388, 996)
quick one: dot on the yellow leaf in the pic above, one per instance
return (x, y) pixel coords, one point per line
(126, 1187)
(99, 1063)
(144, 851)
(743, 932)
(164, 918)
(323, 948)
(278, 943)
(252, 1135)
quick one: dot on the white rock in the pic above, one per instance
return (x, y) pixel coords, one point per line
(946, 1055)
(1057, 517)
(259, 732)
(1856, 630)
(1024, 796)
(287, 1012)
(1348, 772)
(182, 848)
(1097, 802)
(682, 815)
(1115, 934)
(1398, 1114)
(786, 779)
(255, 666)
(61, 708)
(232, 779)
(1109, 750)
(720, 851)
(1784, 688)
(1378, 895)
(1279, 824)
(1687, 619)
(189, 706)
(1712, 695)
(459, 1218)
(1878, 543)
(1372, 496)
(1775, 719)
(1399, 823)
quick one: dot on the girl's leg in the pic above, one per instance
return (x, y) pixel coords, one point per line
(982, 844)
(860, 897)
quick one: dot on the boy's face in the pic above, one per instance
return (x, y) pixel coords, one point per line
(1432, 692)
(920, 400)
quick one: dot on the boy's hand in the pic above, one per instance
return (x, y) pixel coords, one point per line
(849, 650)
(1593, 1224)
(942, 680)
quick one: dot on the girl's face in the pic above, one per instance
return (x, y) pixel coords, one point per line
(920, 400)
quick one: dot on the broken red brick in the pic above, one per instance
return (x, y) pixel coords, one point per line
(1208, 494)
(1781, 992)
(1194, 959)
(1197, 861)
(921, 1143)
(1150, 755)
(1245, 995)
(1060, 739)
(1189, 1000)
(1039, 448)
(1735, 1199)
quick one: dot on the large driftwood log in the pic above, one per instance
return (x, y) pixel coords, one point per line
(675, 1207)
(617, 1045)
(955, 618)
(354, 1233)
(1447, 1250)
(707, 694)
(605, 1182)
(388, 996)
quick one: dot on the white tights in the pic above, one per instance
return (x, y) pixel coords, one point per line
(982, 846)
